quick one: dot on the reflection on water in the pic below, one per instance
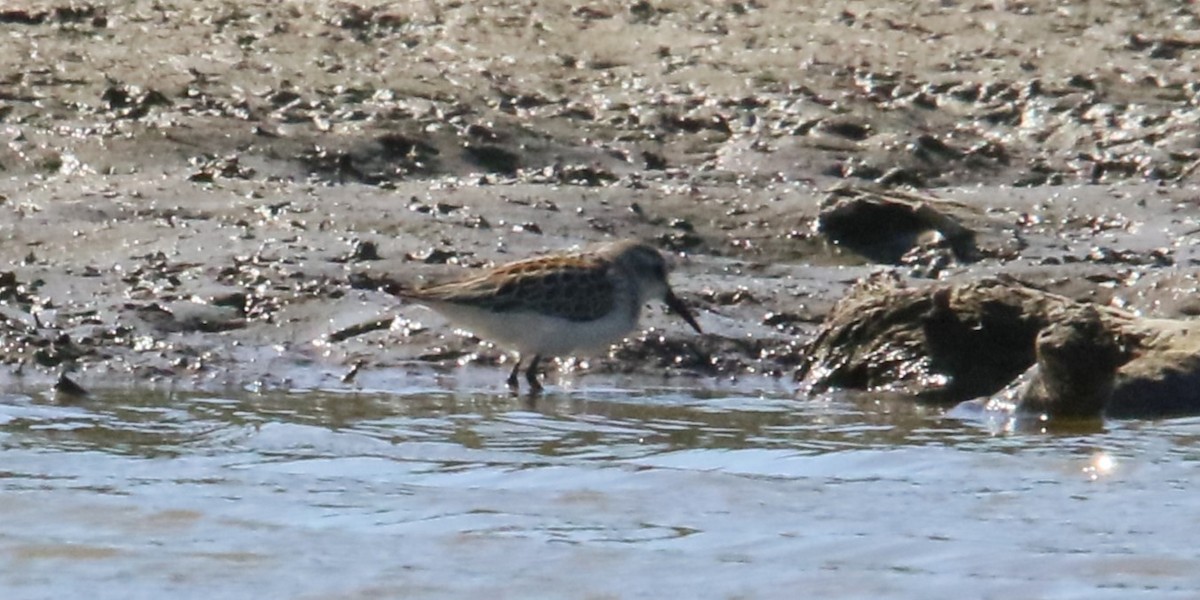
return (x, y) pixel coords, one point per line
(594, 493)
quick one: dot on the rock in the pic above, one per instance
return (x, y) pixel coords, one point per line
(947, 344)
(886, 225)
(1077, 361)
(944, 344)
(1162, 379)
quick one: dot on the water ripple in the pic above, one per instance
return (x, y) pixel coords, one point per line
(443, 489)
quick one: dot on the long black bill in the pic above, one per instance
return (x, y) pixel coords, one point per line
(678, 307)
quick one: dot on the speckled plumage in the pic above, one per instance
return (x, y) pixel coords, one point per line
(557, 304)
(575, 288)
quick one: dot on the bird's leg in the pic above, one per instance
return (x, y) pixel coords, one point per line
(512, 377)
(531, 374)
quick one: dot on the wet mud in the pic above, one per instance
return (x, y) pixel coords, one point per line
(218, 193)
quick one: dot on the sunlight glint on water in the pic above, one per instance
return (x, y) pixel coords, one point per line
(600, 493)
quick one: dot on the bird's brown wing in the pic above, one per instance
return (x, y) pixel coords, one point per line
(572, 288)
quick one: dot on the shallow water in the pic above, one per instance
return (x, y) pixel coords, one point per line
(588, 493)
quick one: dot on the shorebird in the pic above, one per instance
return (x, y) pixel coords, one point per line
(560, 304)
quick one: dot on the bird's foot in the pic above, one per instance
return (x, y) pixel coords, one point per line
(535, 387)
(531, 375)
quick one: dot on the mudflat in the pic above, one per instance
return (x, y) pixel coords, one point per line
(215, 192)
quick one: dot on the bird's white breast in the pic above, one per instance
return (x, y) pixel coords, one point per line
(534, 333)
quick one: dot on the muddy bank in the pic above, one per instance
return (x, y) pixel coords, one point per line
(1021, 349)
(208, 192)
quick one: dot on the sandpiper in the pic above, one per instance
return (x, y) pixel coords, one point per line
(560, 304)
